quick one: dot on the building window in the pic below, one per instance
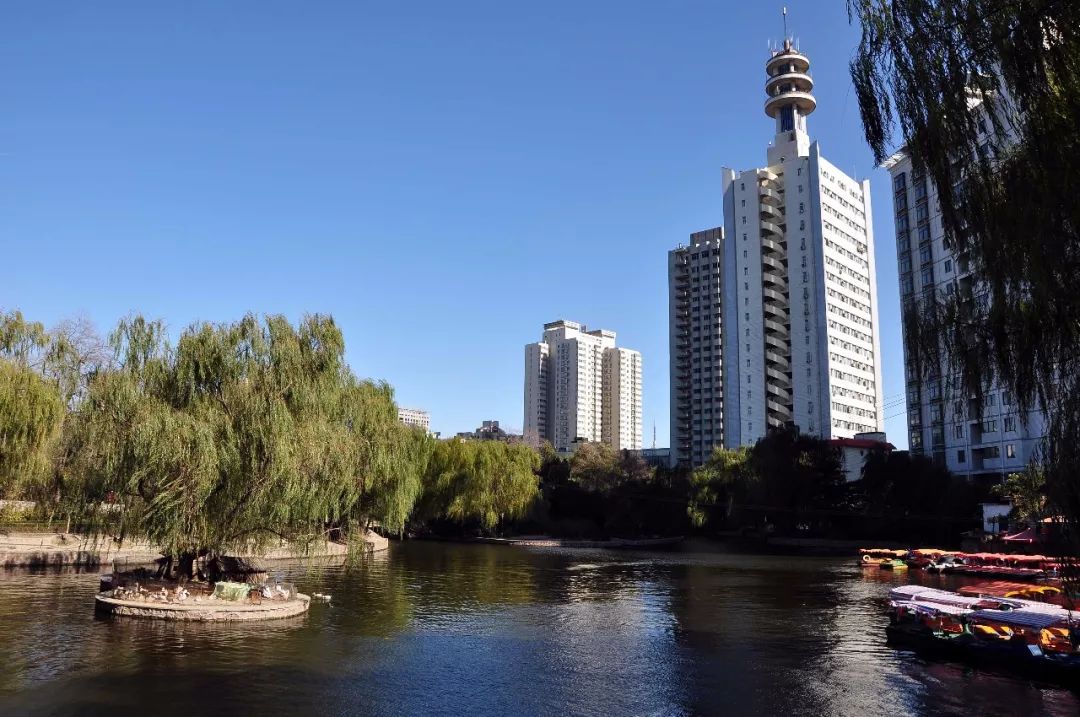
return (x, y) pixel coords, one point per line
(802, 208)
(992, 452)
(960, 457)
(991, 399)
(958, 431)
(924, 255)
(1010, 424)
(928, 276)
(1010, 450)
(989, 426)
(948, 265)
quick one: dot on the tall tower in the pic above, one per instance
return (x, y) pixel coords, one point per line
(800, 302)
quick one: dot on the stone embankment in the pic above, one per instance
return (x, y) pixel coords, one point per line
(36, 550)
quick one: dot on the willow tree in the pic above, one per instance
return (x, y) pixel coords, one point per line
(31, 406)
(486, 482)
(237, 436)
(985, 95)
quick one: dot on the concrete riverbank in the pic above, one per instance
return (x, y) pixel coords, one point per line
(39, 550)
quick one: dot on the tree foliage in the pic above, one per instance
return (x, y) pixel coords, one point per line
(717, 483)
(37, 379)
(30, 418)
(482, 482)
(238, 435)
(1026, 491)
(1007, 183)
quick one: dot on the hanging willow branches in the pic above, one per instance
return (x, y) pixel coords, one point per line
(985, 97)
(237, 436)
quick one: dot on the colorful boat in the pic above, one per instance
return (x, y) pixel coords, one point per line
(1007, 589)
(877, 557)
(1021, 636)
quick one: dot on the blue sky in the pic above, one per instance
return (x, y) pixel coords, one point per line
(441, 177)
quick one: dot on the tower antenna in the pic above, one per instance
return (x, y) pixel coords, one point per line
(785, 22)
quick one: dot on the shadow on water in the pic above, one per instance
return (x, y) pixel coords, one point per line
(430, 628)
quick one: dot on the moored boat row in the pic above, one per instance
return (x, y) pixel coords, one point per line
(997, 565)
(1036, 639)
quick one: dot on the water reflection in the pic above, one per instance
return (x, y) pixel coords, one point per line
(490, 630)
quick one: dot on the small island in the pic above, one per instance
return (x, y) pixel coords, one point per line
(225, 602)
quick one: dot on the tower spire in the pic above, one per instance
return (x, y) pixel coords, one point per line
(789, 87)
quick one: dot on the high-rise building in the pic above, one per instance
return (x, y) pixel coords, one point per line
(580, 387)
(943, 423)
(800, 316)
(695, 321)
(620, 425)
(798, 340)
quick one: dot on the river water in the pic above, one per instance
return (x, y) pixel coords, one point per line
(471, 630)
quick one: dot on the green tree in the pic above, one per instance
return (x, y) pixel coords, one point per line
(31, 406)
(596, 466)
(1007, 183)
(31, 414)
(482, 482)
(239, 435)
(791, 473)
(716, 484)
(1026, 491)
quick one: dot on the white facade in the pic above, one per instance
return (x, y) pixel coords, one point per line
(621, 424)
(801, 340)
(415, 417)
(566, 392)
(943, 423)
(695, 322)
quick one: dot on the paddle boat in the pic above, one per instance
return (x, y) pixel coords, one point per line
(1037, 640)
(878, 557)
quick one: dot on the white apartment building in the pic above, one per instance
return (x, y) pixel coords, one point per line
(580, 387)
(415, 417)
(800, 325)
(621, 422)
(695, 322)
(943, 424)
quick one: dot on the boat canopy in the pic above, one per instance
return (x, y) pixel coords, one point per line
(908, 593)
(1033, 619)
(931, 608)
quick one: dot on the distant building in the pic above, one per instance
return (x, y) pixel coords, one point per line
(655, 457)
(489, 431)
(944, 424)
(580, 387)
(695, 311)
(415, 417)
(854, 451)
